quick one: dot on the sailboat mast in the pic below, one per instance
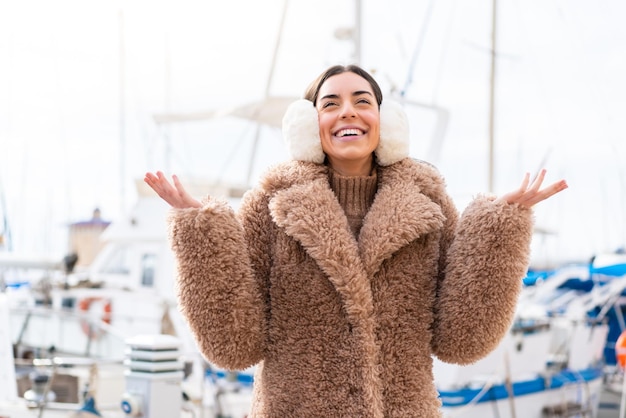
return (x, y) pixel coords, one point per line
(357, 31)
(5, 234)
(492, 98)
(122, 114)
(268, 86)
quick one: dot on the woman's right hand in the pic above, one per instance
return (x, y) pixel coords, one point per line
(175, 195)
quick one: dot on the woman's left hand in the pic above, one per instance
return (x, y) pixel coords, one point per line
(528, 196)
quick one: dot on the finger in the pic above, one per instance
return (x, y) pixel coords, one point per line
(555, 188)
(536, 184)
(548, 192)
(541, 174)
(177, 182)
(150, 177)
(163, 187)
(180, 189)
(152, 181)
(525, 182)
(161, 176)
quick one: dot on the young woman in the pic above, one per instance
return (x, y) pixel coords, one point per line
(346, 268)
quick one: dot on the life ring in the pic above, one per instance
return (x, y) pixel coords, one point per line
(84, 306)
(620, 350)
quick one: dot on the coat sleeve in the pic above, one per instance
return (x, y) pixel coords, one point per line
(216, 286)
(487, 257)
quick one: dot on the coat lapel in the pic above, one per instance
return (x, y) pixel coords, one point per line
(399, 214)
(311, 214)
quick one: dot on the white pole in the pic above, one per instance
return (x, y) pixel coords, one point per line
(8, 385)
(357, 31)
(492, 95)
(622, 407)
(268, 86)
(122, 113)
(620, 351)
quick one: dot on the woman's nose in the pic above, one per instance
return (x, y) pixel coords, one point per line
(348, 110)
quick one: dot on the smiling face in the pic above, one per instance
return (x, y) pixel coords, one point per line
(349, 121)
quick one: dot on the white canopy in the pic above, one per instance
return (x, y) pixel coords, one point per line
(268, 111)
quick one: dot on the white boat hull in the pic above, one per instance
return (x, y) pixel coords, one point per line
(583, 396)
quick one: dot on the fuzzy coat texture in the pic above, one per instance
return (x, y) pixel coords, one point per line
(340, 326)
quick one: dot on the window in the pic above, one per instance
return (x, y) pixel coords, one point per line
(148, 262)
(118, 262)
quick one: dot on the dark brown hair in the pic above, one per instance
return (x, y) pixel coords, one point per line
(313, 90)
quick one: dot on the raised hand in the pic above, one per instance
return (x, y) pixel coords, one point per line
(529, 196)
(175, 194)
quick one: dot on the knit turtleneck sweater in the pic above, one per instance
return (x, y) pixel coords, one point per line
(355, 195)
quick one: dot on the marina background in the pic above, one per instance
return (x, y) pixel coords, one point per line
(81, 83)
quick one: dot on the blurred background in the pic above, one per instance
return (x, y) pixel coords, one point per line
(94, 94)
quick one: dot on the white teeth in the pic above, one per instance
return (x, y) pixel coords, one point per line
(345, 132)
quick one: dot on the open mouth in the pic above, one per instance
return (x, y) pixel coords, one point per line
(346, 133)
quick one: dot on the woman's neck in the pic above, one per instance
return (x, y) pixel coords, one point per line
(352, 168)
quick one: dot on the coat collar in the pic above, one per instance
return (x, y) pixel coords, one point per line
(400, 213)
(307, 209)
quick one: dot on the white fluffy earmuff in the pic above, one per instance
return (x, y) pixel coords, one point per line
(301, 132)
(302, 135)
(394, 134)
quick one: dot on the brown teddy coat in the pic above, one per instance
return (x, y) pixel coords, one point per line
(341, 327)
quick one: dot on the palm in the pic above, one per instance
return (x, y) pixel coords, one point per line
(175, 194)
(529, 195)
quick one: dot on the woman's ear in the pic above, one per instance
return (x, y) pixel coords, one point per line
(394, 134)
(301, 132)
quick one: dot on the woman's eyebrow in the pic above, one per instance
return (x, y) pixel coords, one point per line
(356, 93)
(330, 96)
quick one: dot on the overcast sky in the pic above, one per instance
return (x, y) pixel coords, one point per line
(81, 81)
